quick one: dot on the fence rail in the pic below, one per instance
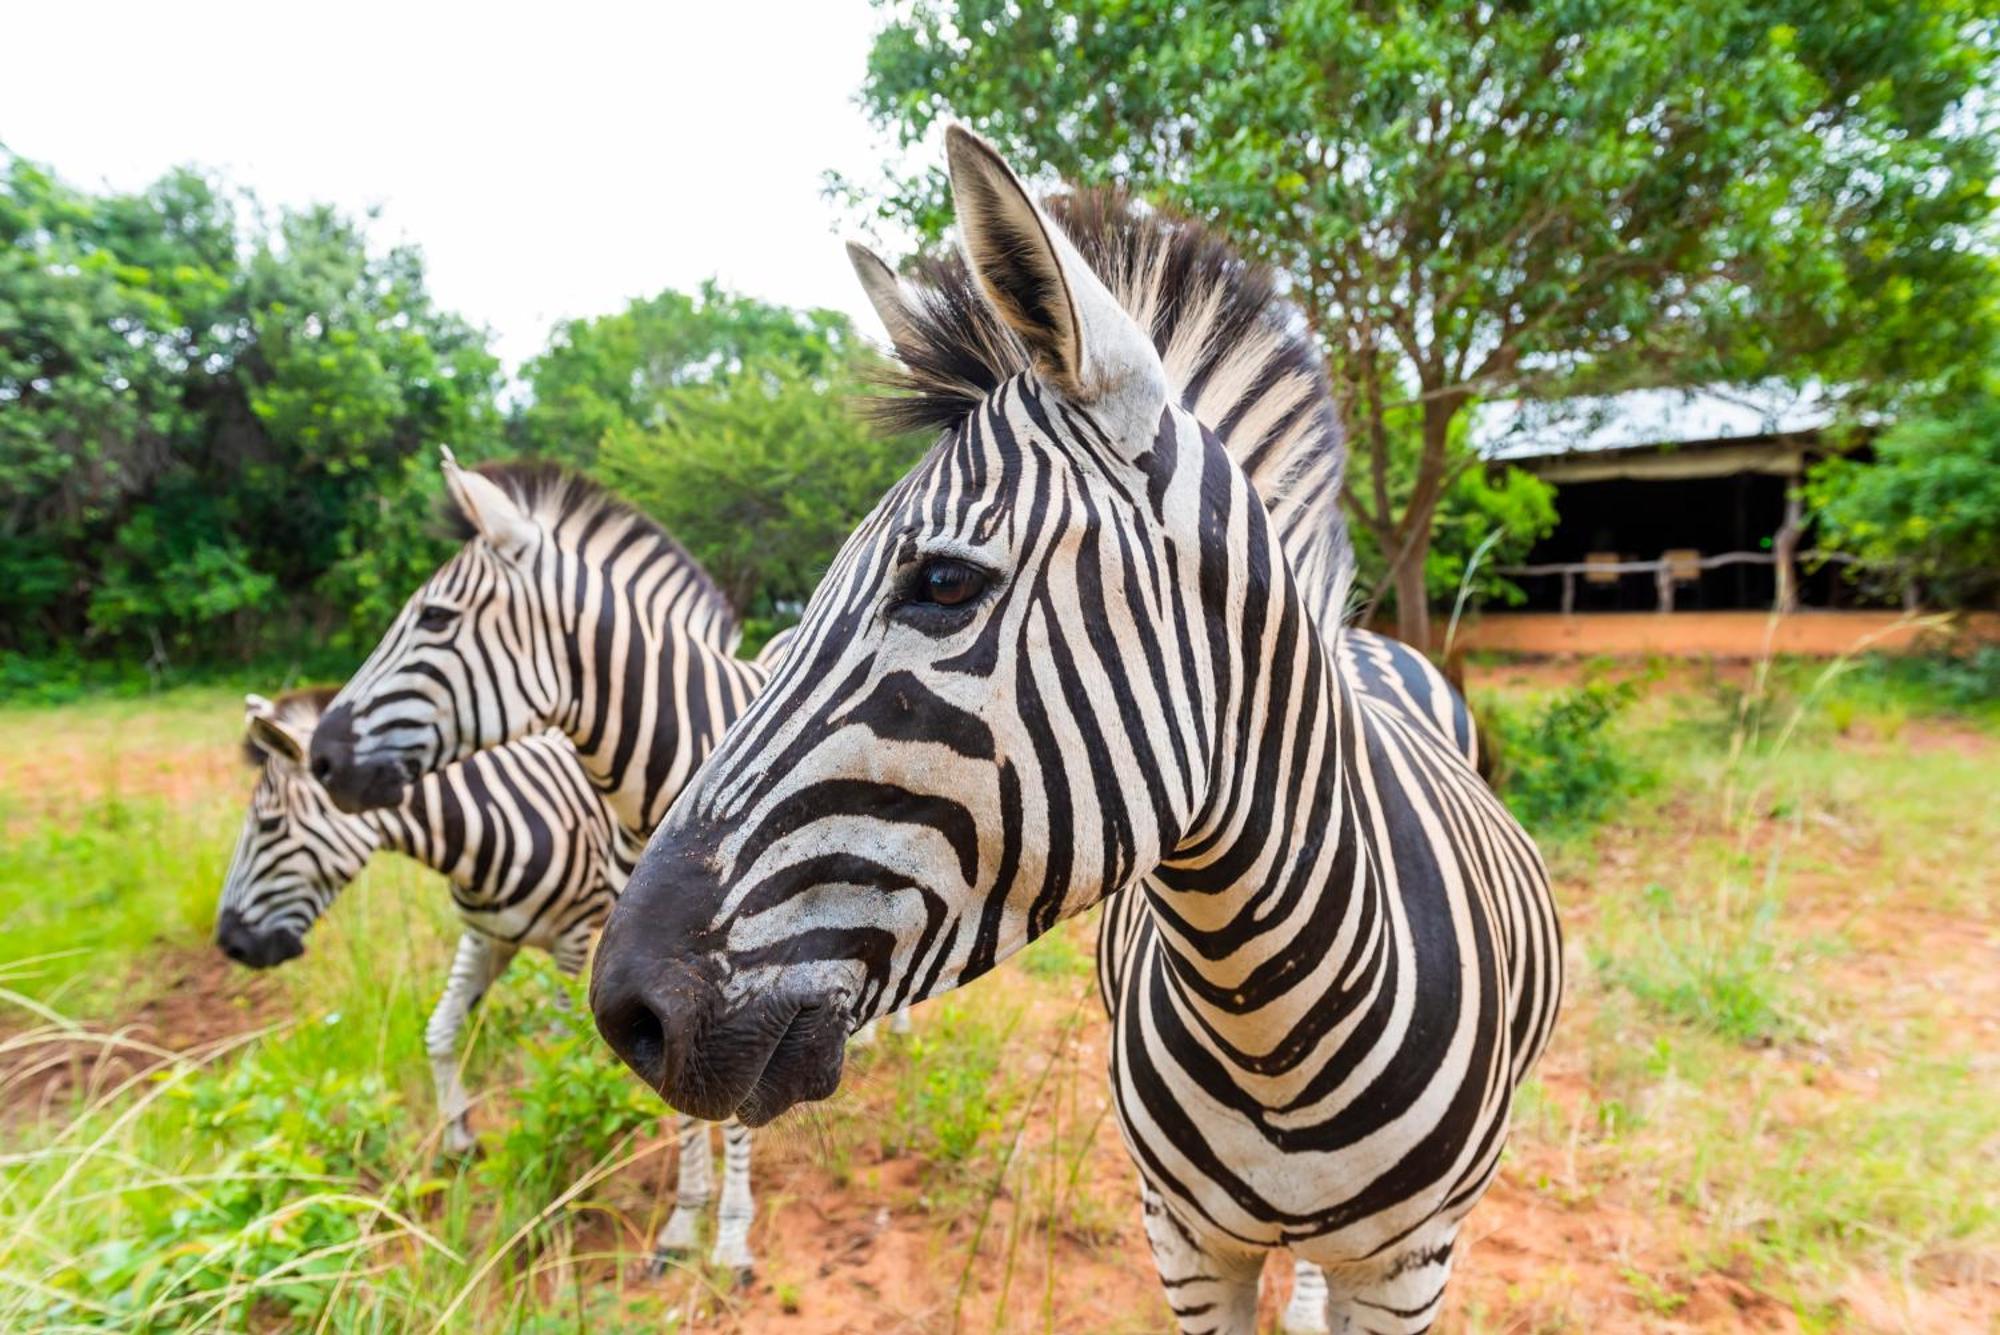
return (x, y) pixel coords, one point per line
(1666, 574)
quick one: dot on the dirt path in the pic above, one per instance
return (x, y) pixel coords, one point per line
(197, 1002)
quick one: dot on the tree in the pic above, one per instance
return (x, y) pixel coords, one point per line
(761, 475)
(730, 420)
(619, 371)
(1926, 508)
(1484, 200)
(195, 406)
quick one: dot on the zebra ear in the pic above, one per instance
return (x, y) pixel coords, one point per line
(885, 292)
(272, 737)
(1083, 343)
(492, 513)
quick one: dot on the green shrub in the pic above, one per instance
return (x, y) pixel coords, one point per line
(1558, 763)
(298, 1184)
(1965, 682)
(575, 1101)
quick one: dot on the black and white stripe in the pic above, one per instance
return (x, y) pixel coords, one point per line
(1074, 652)
(565, 609)
(531, 854)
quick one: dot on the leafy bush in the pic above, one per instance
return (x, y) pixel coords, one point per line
(1558, 764)
(299, 1186)
(573, 1105)
(1926, 507)
(1966, 682)
(199, 403)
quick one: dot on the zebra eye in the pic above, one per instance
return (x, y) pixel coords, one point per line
(947, 583)
(939, 595)
(436, 616)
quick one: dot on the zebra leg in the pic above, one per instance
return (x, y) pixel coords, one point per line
(480, 960)
(732, 1221)
(864, 1037)
(1404, 1296)
(1305, 1314)
(1211, 1292)
(692, 1190)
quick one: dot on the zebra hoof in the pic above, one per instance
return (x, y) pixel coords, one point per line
(662, 1260)
(459, 1142)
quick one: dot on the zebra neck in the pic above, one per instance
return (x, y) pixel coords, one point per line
(429, 828)
(396, 832)
(647, 714)
(1277, 899)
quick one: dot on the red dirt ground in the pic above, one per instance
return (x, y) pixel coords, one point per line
(197, 1001)
(877, 1244)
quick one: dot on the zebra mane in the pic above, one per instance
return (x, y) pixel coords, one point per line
(574, 507)
(299, 709)
(1239, 355)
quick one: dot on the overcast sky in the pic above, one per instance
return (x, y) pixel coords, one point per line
(551, 162)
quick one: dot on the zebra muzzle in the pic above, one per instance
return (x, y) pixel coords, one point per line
(751, 1061)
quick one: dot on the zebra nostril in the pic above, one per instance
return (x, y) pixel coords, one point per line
(630, 1024)
(322, 768)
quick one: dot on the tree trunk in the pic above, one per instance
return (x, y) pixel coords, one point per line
(1413, 607)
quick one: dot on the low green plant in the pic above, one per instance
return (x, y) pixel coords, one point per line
(950, 1099)
(1559, 763)
(573, 1102)
(1715, 969)
(296, 1178)
(1057, 955)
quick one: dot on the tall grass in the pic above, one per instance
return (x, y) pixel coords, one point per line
(1738, 1066)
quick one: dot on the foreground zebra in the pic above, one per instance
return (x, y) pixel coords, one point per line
(1228, 362)
(531, 855)
(1073, 653)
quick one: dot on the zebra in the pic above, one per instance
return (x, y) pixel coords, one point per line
(531, 855)
(568, 610)
(1209, 317)
(565, 608)
(1072, 654)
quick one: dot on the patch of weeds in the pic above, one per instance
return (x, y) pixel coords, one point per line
(949, 1098)
(1057, 955)
(1716, 971)
(1652, 1295)
(599, 1311)
(573, 1103)
(300, 1176)
(1559, 763)
(1965, 683)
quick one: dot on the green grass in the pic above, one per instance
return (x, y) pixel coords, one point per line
(1756, 1062)
(1751, 1088)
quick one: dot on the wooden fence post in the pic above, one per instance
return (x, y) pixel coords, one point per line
(1784, 548)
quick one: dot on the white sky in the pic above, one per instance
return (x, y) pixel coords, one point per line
(551, 161)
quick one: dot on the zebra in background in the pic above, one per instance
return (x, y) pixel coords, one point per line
(565, 610)
(531, 855)
(1072, 653)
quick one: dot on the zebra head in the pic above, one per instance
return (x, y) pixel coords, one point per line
(297, 851)
(1000, 706)
(471, 660)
